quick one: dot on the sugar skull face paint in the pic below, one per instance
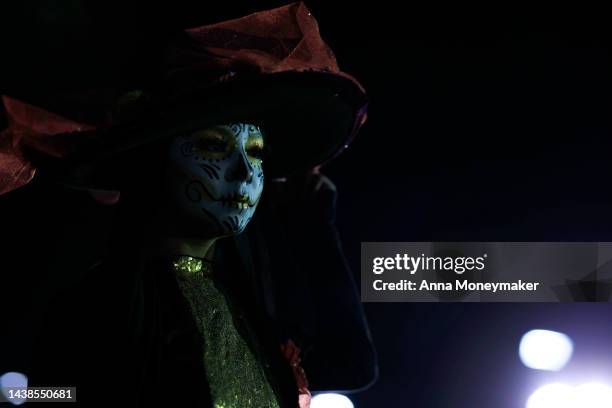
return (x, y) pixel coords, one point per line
(216, 176)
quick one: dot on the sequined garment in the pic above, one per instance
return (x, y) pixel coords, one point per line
(234, 374)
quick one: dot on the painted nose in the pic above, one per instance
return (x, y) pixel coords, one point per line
(240, 170)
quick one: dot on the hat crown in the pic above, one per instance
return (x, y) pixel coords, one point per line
(272, 41)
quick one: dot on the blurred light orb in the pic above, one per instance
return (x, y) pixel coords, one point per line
(593, 395)
(589, 395)
(545, 350)
(330, 400)
(13, 379)
(552, 396)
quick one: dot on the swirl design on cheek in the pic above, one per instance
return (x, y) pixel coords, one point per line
(211, 171)
(186, 148)
(194, 191)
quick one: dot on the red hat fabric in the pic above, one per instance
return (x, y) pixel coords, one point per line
(279, 40)
(31, 129)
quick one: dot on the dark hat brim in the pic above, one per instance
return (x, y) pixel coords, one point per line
(307, 117)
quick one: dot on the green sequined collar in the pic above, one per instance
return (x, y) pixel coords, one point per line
(189, 265)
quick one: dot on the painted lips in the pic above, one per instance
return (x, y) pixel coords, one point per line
(238, 201)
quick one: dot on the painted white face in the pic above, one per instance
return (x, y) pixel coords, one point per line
(216, 176)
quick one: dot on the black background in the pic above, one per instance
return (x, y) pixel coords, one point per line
(486, 122)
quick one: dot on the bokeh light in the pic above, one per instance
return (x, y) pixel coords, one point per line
(331, 400)
(13, 379)
(552, 396)
(593, 395)
(590, 395)
(545, 350)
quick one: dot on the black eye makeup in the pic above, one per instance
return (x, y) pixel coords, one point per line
(256, 152)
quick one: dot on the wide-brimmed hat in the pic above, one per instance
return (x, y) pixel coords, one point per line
(270, 67)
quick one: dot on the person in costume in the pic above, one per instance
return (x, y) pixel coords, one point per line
(190, 305)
